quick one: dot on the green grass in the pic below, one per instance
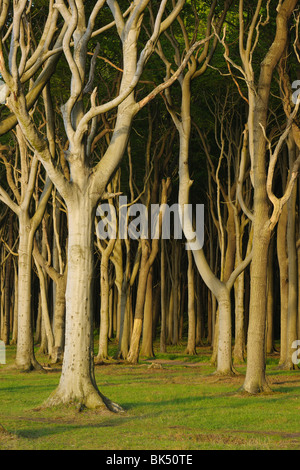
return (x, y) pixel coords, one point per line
(179, 406)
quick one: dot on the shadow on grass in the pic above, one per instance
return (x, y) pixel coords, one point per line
(54, 427)
(231, 400)
(184, 403)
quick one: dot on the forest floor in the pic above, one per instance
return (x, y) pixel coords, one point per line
(170, 402)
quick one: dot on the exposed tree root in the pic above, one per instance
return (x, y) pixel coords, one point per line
(254, 388)
(232, 372)
(29, 366)
(89, 398)
(191, 351)
(288, 366)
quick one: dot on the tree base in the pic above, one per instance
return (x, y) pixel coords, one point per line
(120, 355)
(190, 351)
(32, 365)
(133, 357)
(147, 353)
(255, 388)
(101, 359)
(231, 372)
(288, 365)
(91, 399)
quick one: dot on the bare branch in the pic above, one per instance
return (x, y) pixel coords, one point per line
(278, 203)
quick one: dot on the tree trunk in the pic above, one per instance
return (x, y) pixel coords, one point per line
(25, 358)
(298, 257)
(283, 277)
(125, 327)
(45, 310)
(224, 358)
(59, 319)
(77, 383)
(175, 287)
(239, 340)
(199, 313)
(255, 380)
(270, 302)
(209, 318)
(191, 345)
(16, 303)
(170, 311)
(259, 95)
(104, 308)
(7, 286)
(163, 298)
(139, 307)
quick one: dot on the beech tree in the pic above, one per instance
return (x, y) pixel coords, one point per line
(87, 183)
(28, 223)
(259, 87)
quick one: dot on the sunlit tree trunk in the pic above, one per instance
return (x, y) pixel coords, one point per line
(77, 382)
(191, 345)
(25, 358)
(147, 341)
(292, 311)
(283, 279)
(133, 354)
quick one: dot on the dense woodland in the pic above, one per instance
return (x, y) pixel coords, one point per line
(171, 102)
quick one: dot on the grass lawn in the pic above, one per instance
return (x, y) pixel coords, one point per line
(178, 404)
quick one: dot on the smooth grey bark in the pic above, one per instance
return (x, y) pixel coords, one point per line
(220, 290)
(147, 340)
(25, 358)
(77, 381)
(149, 252)
(126, 298)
